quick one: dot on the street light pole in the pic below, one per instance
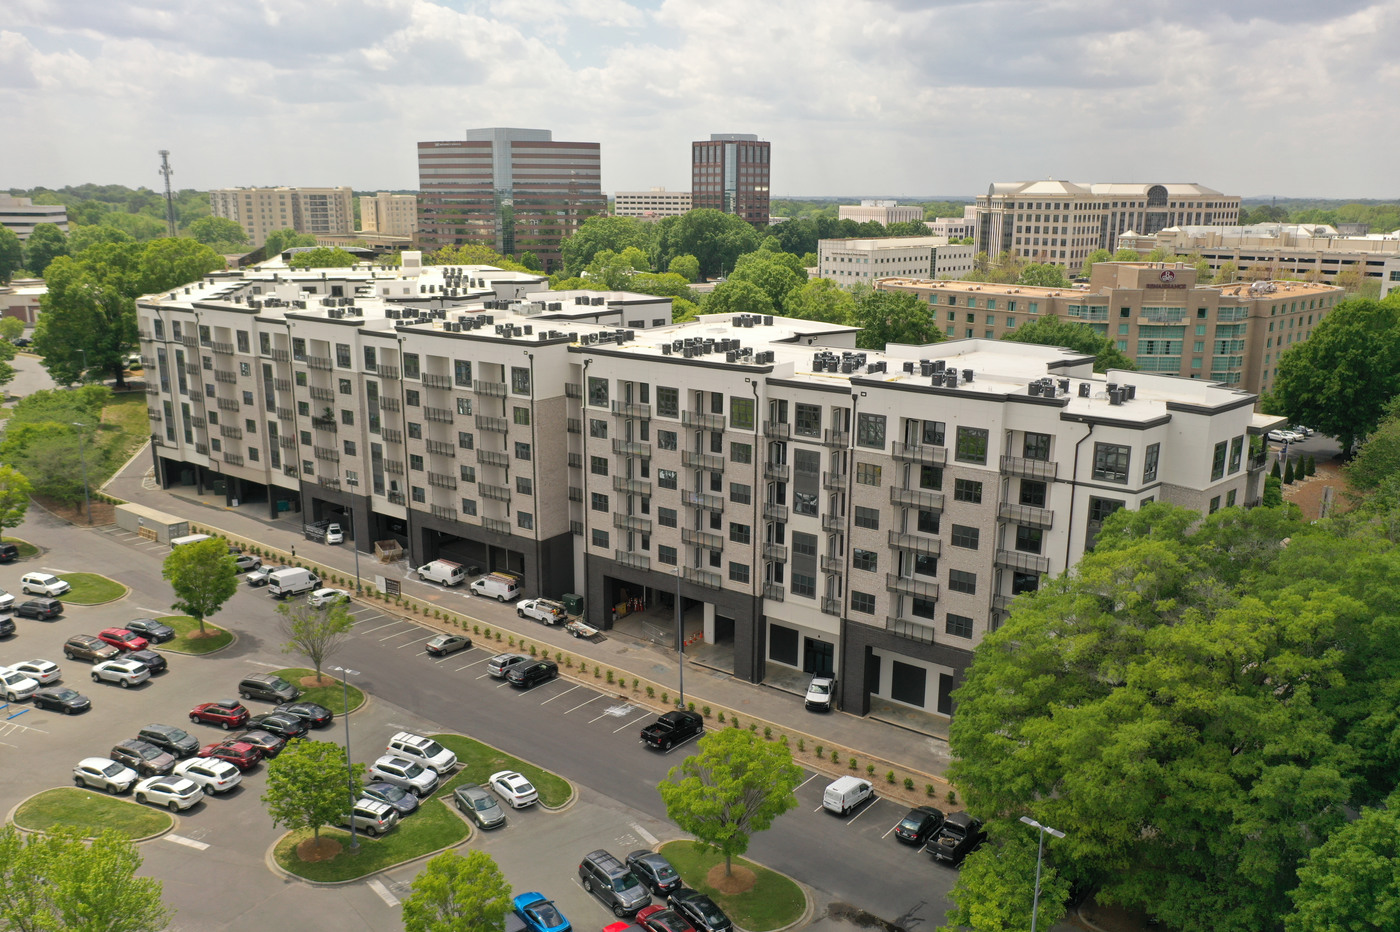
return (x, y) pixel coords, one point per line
(349, 770)
(1039, 856)
(680, 635)
(354, 537)
(82, 456)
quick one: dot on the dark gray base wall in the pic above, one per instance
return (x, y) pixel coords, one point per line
(547, 565)
(858, 641)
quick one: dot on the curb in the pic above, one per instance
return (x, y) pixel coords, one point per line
(208, 653)
(270, 859)
(10, 816)
(808, 907)
(573, 787)
(126, 591)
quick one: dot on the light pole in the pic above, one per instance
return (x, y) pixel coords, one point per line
(83, 376)
(1039, 856)
(82, 456)
(354, 537)
(349, 770)
(680, 635)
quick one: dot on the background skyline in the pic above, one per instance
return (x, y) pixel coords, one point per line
(890, 97)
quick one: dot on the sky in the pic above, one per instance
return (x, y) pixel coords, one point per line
(858, 97)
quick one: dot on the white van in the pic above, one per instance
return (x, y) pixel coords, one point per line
(290, 581)
(187, 539)
(845, 794)
(500, 586)
(442, 571)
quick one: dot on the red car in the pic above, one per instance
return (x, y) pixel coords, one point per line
(239, 754)
(661, 919)
(227, 713)
(122, 639)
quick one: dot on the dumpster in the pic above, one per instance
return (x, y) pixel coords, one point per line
(573, 604)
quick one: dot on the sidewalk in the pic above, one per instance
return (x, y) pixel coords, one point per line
(866, 738)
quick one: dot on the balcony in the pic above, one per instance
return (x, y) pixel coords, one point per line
(575, 460)
(233, 459)
(631, 486)
(228, 404)
(776, 593)
(702, 577)
(387, 372)
(637, 561)
(191, 342)
(192, 370)
(1029, 469)
(443, 512)
(282, 385)
(832, 522)
(286, 414)
(224, 349)
(909, 630)
(1025, 562)
(922, 499)
(772, 511)
(144, 336)
(154, 414)
(328, 482)
(916, 543)
(702, 421)
(322, 394)
(437, 381)
(779, 471)
(201, 448)
(1002, 603)
(703, 501)
(287, 443)
(831, 607)
(908, 585)
(396, 498)
(775, 553)
(322, 363)
(923, 453)
(290, 470)
(441, 448)
(490, 389)
(391, 435)
(321, 423)
(327, 453)
(835, 481)
(498, 493)
(499, 525)
(631, 448)
(281, 355)
(702, 461)
(576, 528)
(574, 426)
(575, 493)
(702, 539)
(444, 415)
(573, 390)
(228, 430)
(393, 467)
(839, 439)
(631, 523)
(389, 403)
(493, 457)
(777, 430)
(630, 409)
(1259, 461)
(198, 422)
(442, 480)
(225, 376)
(152, 389)
(497, 425)
(1025, 514)
(832, 564)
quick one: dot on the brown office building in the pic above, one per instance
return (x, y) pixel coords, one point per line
(730, 173)
(514, 190)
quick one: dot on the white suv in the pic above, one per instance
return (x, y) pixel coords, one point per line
(43, 584)
(401, 772)
(423, 751)
(212, 775)
(16, 685)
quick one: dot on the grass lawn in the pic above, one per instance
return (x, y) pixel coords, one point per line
(332, 697)
(91, 589)
(480, 761)
(774, 901)
(26, 549)
(185, 626)
(127, 414)
(433, 826)
(89, 810)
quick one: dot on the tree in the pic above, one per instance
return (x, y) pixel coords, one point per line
(1044, 275)
(738, 297)
(892, 317)
(772, 272)
(996, 892)
(88, 320)
(530, 261)
(683, 310)
(1051, 331)
(308, 785)
(10, 328)
(1288, 474)
(473, 254)
(1095, 257)
(14, 497)
(1124, 254)
(1228, 273)
(605, 234)
(1341, 377)
(168, 263)
(688, 267)
(44, 245)
(1272, 496)
(221, 233)
(278, 241)
(60, 881)
(11, 255)
(1352, 882)
(456, 893)
(714, 238)
(52, 453)
(820, 299)
(85, 237)
(203, 576)
(316, 633)
(322, 257)
(735, 786)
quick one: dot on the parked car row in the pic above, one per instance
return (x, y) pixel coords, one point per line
(627, 889)
(412, 768)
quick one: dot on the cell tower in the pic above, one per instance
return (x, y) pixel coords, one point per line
(167, 171)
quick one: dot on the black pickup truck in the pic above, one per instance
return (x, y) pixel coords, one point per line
(672, 728)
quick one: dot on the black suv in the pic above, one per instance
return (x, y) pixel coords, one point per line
(960, 835)
(9, 553)
(175, 740)
(42, 609)
(268, 687)
(609, 880)
(531, 672)
(699, 910)
(143, 757)
(7, 626)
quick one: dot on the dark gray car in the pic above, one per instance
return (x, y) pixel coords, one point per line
(609, 880)
(154, 631)
(268, 687)
(167, 737)
(478, 805)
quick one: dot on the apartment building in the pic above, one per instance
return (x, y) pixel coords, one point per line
(389, 214)
(816, 507)
(885, 212)
(20, 215)
(1061, 222)
(863, 261)
(730, 172)
(651, 204)
(1156, 313)
(318, 211)
(1390, 275)
(1311, 252)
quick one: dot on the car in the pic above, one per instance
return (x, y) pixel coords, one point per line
(546, 611)
(15, 685)
(265, 741)
(39, 609)
(478, 805)
(122, 639)
(124, 673)
(143, 756)
(246, 562)
(513, 788)
(662, 919)
(1301, 431)
(324, 597)
(61, 699)
(43, 584)
(21, 341)
(258, 577)
(422, 750)
(43, 672)
(400, 771)
(371, 817)
(654, 870)
(280, 724)
(214, 775)
(313, 714)
(821, 691)
(87, 647)
(101, 773)
(699, 910)
(540, 914)
(224, 712)
(154, 662)
(532, 673)
(1280, 435)
(919, 825)
(240, 754)
(170, 738)
(267, 686)
(157, 632)
(7, 600)
(607, 878)
(7, 626)
(960, 835)
(445, 644)
(396, 797)
(672, 728)
(499, 665)
(174, 793)
(845, 794)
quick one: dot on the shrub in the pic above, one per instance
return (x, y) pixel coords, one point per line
(1288, 474)
(498, 637)
(690, 707)
(820, 752)
(532, 650)
(1310, 467)
(853, 764)
(568, 660)
(929, 790)
(651, 692)
(908, 783)
(705, 711)
(582, 668)
(610, 677)
(952, 797)
(488, 632)
(835, 756)
(753, 727)
(597, 672)
(801, 744)
(734, 721)
(665, 698)
(889, 777)
(512, 640)
(721, 715)
(636, 685)
(870, 769)
(437, 614)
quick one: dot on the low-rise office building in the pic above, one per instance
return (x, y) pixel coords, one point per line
(1310, 251)
(884, 212)
(20, 215)
(652, 204)
(863, 261)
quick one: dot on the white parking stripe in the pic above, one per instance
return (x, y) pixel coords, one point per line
(873, 801)
(427, 637)
(582, 704)
(394, 622)
(633, 722)
(805, 782)
(564, 693)
(891, 829)
(378, 887)
(392, 634)
(187, 842)
(646, 836)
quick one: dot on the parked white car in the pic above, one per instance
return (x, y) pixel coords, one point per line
(402, 772)
(44, 671)
(323, 597)
(423, 751)
(546, 611)
(43, 584)
(1280, 435)
(175, 793)
(212, 775)
(514, 789)
(16, 685)
(7, 601)
(122, 672)
(101, 773)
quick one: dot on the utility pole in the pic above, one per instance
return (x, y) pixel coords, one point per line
(167, 171)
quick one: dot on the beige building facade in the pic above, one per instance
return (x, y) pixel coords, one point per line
(1312, 252)
(318, 211)
(885, 212)
(651, 204)
(389, 214)
(863, 261)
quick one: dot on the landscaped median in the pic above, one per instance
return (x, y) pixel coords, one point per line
(91, 812)
(479, 761)
(754, 897)
(330, 694)
(91, 589)
(188, 639)
(26, 549)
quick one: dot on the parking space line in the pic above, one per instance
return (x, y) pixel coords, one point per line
(564, 693)
(483, 676)
(805, 782)
(633, 722)
(396, 621)
(582, 704)
(646, 836)
(504, 682)
(187, 842)
(472, 664)
(891, 829)
(682, 744)
(427, 637)
(873, 801)
(392, 634)
(382, 891)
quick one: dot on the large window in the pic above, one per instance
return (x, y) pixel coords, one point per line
(967, 490)
(668, 402)
(932, 433)
(867, 473)
(958, 625)
(666, 478)
(930, 477)
(600, 538)
(666, 439)
(597, 392)
(959, 581)
(965, 536)
(804, 585)
(740, 493)
(522, 451)
(1037, 446)
(740, 533)
(866, 560)
(862, 602)
(741, 413)
(1236, 453)
(597, 428)
(462, 372)
(520, 380)
(1029, 539)
(598, 465)
(1033, 493)
(868, 518)
(807, 420)
(928, 522)
(870, 430)
(739, 572)
(666, 555)
(1217, 461)
(1111, 462)
(972, 445)
(1149, 462)
(600, 501)
(741, 452)
(410, 365)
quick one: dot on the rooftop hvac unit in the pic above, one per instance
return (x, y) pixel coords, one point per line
(909, 366)
(1115, 397)
(950, 378)
(730, 356)
(733, 322)
(1064, 386)
(926, 368)
(666, 349)
(1132, 391)
(1084, 389)
(528, 329)
(847, 367)
(597, 302)
(967, 375)
(1113, 386)
(939, 365)
(1035, 389)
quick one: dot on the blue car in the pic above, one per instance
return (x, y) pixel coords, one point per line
(540, 914)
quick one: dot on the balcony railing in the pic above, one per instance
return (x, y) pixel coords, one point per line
(499, 493)
(201, 448)
(228, 404)
(389, 403)
(281, 355)
(493, 457)
(631, 448)
(833, 522)
(190, 341)
(916, 543)
(575, 460)
(777, 430)
(287, 443)
(321, 423)
(630, 409)
(631, 523)
(574, 426)
(496, 425)
(323, 363)
(396, 497)
(702, 539)
(1002, 603)
(442, 480)
(702, 421)
(154, 414)
(631, 486)
(924, 453)
(443, 512)
(393, 467)
(834, 481)
(775, 593)
(922, 499)
(772, 511)
(286, 414)
(701, 500)
(228, 430)
(442, 415)
(775, 553)
(322, 394)
(637, 561)
(490, 389)
(499, 525)
(437, 381)
(572, 390)
(836, 438)
(1025, 514)
(282, 385)
(233, 459)
(832, 564)
(152, 388)
(1028, 468)
(911, 586)
(1025, 562)
(909, 630)
(576, 528)
(575, 493)
(192, 369)
(831, 606)
(702, 577)
(441, 448)
(708, 461)
(225, 376)
(224, 349)
(328, 482)
(779, 471)
(198, 422)
(327, 453)
(387, 372)
(391, 435)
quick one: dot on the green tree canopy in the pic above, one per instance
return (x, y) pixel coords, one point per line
(322, 257)
(203, 577)
(168, 263)
(892, 317)
(1051, 331)
(1352, 882)
(11, 328)
(473, 254)
(44, 245)
(735, 785)
(1124, 254)
(714, 238)
(606, 234)
(1043, 274)
(995, 891)
(315, 633)
(1378, 459)
(738, 297)
(308, 785)
(457, 893)
(14, 497)
(776, 273)
(219, 233)
(820, 299)
(80, 239)
(688, 267)
(278, 241)
(11, 255)
(1094, 258)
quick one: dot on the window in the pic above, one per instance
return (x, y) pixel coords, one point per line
(415, 462)
(867, 518)
(862, 602)
(923, 608)
(1236, 452)
(597, 392)
(1111, 462)
(804, 585)
(600, 501)
(666, 555)
(598, 428)
(868, 473)
(1149, 462)
(521, 416)
(865, 560)
(870, 430)
(370, 362)
(522, 451)
(520, 380)
(465, 440)
(247, 398)
(598, 465)
(1036, 446)
(347, 417)
(967, 490)
(958, 625)
(965, 536)
(972, 445)
(741, 413)
(666, 517)
(927, 522)
(668, 402)
(1230, 499)
(462, 372)
(933, 432)
(740, 493)
(345, 386)
(741, 452)
(807, 420)
(411, 398)
(1029, 539)
(740, 533)
(349, 448)
(415, 430)
(342, 352)
(464, 406)
(959, 581)
(419, 494)
(410, 365)
(666, 439)
(524, 485)
(739, 572)
(1217, 462)
(1101, 508)
(1214, 505)
(600, 538)
(525, 520)
(468, 473)
(300, 379)
(1033, 493)
(666, 478)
